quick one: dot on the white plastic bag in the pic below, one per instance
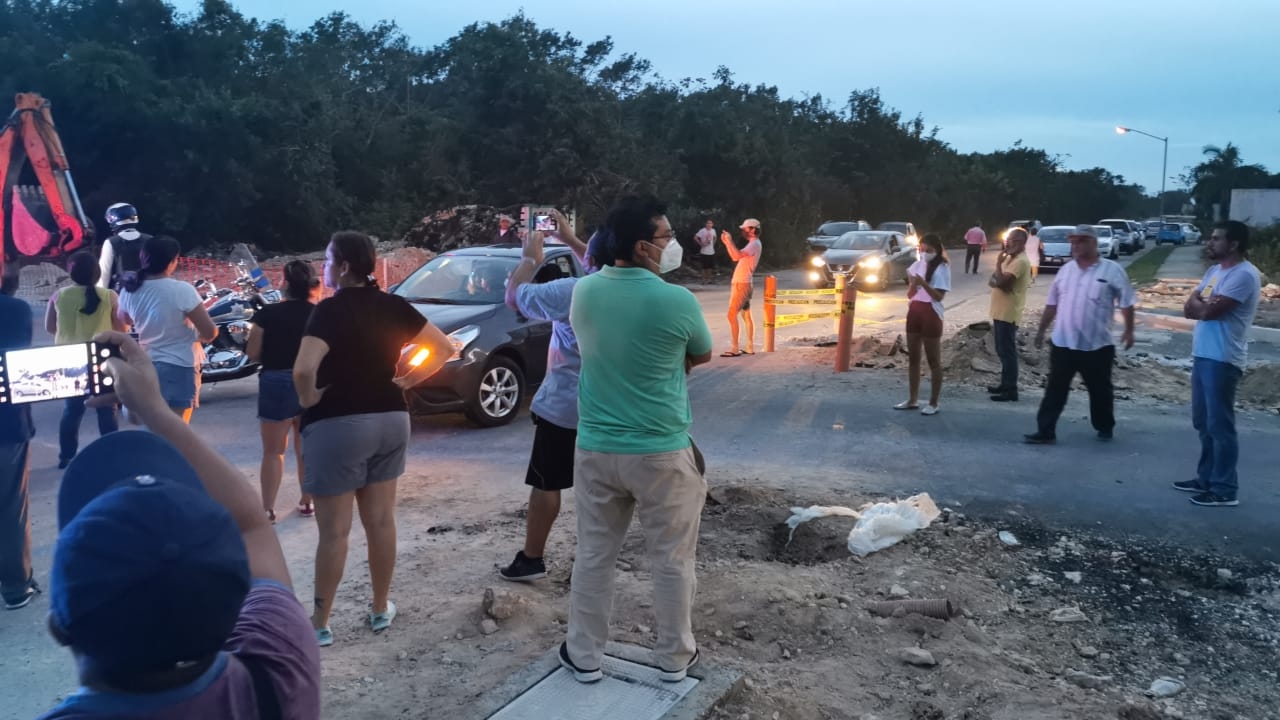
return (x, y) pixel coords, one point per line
(885, 524)
(879, 525)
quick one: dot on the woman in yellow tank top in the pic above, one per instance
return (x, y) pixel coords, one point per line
(75, 314)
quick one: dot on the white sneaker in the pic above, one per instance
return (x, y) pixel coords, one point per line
(929, 410)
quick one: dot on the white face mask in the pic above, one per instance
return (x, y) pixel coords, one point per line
(672, 257)
(929, 256)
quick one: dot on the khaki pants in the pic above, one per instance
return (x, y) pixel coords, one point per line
(669, 493)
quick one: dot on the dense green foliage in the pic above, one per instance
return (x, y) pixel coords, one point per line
(222, 128)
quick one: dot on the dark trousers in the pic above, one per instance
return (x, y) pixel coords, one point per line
(1094, 367)
(974, 253)
(1006, 337)
(15, 523)
(69, 427)
(1213, 413)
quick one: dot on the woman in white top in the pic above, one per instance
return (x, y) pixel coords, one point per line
(171, 323)
(929, 280)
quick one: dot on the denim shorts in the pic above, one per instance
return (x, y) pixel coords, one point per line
(179, 385)
(277, 398)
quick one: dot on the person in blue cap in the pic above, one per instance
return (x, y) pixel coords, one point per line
(168, 583)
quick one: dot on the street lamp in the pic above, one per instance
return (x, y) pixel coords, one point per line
(1164, 168)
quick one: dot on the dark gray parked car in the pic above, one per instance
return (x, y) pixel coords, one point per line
(827, 233)
(877, 258)
(498, 354)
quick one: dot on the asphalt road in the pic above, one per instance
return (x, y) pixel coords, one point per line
(763, 419)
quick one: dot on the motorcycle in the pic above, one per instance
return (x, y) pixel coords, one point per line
(232, 310)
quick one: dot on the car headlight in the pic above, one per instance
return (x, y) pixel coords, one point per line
(913, 240)
(871, 262)
(461, 338)
(817, 261)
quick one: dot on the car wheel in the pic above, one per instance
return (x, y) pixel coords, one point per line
(496, 400)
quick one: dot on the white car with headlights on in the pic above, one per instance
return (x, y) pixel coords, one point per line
(877, 259)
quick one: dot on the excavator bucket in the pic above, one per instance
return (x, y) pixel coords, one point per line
(44, 220)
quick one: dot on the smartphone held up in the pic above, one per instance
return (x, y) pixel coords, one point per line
(56, 372)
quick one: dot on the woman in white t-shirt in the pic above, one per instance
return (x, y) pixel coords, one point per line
(171, 323)
(929, 280)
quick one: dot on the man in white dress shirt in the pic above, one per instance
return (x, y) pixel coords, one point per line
(1081, 307)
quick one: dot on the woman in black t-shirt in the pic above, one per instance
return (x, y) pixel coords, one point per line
(274, 341)
(352, 369)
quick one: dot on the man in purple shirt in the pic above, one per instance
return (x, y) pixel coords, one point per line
(168, 583)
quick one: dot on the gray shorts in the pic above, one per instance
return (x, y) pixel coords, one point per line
(344, 454)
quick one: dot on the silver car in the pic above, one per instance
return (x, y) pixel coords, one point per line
(1108, 244)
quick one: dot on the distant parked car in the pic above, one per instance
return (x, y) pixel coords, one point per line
(828, 232)
(1055, 246)
(1122, 234)
(499, 355)
(1171, 233)
(1108, 246)
(1191, 233)
(907, 229)
(1139, 233)
(1153, 229)
(878, 259)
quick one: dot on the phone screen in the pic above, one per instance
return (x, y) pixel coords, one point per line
(544, 223)
(53, 373)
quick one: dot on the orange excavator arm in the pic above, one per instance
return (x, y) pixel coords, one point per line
(29, 134)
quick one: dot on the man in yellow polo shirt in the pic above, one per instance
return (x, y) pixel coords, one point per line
(1008, 298)
(638, 336)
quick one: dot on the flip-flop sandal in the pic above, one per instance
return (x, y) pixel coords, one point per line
(906, 405)
(730, 353)
(748, 352)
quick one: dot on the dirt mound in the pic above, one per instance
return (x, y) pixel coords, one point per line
(787, 612)
(970, 358)
(1261, 386)
(456, 227)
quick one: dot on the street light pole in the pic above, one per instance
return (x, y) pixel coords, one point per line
(1164, 166)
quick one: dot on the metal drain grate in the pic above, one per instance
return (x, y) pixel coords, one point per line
(629, 690)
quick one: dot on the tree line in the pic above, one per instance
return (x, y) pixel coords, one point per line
(223, 128)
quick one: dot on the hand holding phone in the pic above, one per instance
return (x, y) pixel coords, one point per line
(55, 372)
(131, 375)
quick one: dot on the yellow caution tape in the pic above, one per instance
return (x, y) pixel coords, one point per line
(826, 291)
(785, 320)
(815, 301)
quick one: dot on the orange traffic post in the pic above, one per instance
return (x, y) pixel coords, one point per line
(844, 335)
(770, 310)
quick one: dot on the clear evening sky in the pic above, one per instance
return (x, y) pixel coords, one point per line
(1057, 74)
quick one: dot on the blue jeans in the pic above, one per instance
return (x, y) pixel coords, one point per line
(69, 428)
(1213, 413)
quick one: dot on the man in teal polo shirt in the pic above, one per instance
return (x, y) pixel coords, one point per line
(638, 336)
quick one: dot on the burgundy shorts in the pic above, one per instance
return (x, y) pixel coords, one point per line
(923, 320)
